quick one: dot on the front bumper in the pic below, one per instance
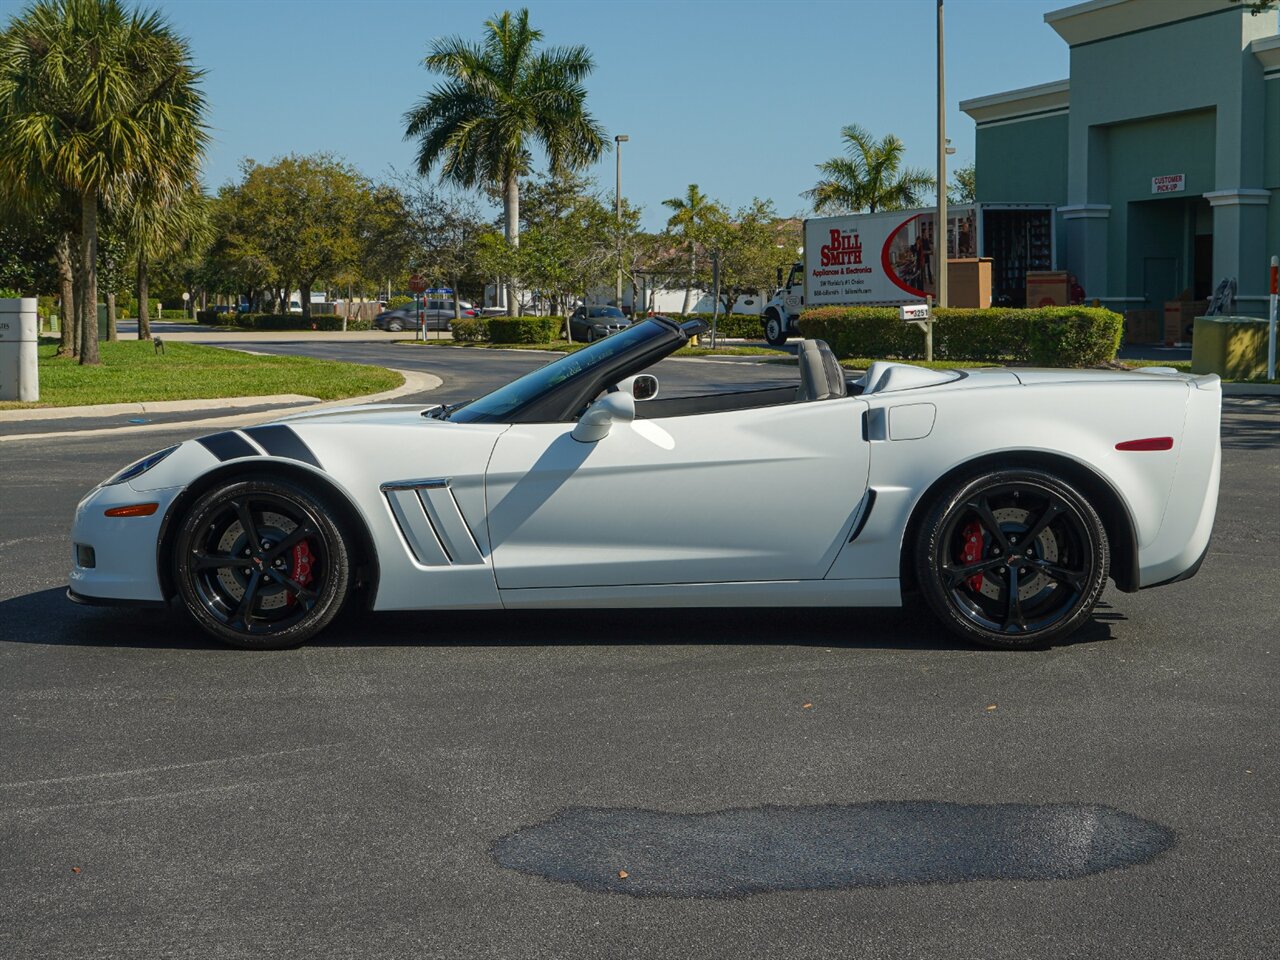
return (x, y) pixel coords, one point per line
(124, 548)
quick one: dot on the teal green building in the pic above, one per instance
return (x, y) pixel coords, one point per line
(1160, 153)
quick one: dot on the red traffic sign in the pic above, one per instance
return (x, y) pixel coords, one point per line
(417, 284)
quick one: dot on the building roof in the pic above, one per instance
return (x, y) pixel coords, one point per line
(1267, 50)
(1040, 100)
(1101, 19)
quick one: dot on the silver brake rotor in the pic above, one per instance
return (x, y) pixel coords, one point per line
(271, 596)
(1027, 588)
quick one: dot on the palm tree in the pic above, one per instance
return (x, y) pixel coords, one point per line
(158, 227)
(688, 215)
(500, 97)
(96, 103)
(870, 178)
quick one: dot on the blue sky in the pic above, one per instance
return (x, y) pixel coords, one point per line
(741, 97)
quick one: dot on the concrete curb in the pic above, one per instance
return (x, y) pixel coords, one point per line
(414, 382)
(1251, 389)
(151, 406)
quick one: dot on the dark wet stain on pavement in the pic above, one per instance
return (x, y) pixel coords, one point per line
(730, 853)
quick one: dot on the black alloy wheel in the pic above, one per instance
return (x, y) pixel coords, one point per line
(260, 564)
(1012, 559)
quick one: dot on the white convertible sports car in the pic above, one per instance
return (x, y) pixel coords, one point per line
(1006, 498)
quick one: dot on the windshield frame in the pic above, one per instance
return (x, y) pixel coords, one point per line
(559, 391)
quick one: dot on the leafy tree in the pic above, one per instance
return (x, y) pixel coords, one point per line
(94, 101)
(751, 246)
(686, 223)
(870, 177)
(1257, 7)
(964, 185)
(500, 97)
(447, 227)
(301, 216)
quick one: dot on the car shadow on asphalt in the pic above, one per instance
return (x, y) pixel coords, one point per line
(47, 617)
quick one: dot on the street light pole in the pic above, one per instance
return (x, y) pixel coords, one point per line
(620, 139)
(940, 231)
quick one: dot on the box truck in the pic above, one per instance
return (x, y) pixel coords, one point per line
(887, 259)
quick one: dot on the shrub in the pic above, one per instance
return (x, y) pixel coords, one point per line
(744, 325)
(282, 321)
(209, 316)
(1047, 336)
(398, 301)
(524, 329)
(471, 330)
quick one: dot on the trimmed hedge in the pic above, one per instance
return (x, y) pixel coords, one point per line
(280, 321)
(471, 330)
(745, 325)
(523, 329)
(1045, 336)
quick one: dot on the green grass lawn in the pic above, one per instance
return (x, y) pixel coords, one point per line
(132, 372)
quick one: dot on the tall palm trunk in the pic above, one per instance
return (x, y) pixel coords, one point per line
(89, 285)
(511, 207)
(144, 308)
(688, 288)
(112, 332)
(66, 286)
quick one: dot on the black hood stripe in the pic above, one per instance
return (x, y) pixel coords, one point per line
(228, 446)
(282, 441)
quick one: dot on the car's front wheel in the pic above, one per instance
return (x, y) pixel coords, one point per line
(395, 326)
(259, 563)
(774, 332)
(1012, 558)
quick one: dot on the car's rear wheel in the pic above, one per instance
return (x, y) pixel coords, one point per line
(1012, 558)
(260, 564)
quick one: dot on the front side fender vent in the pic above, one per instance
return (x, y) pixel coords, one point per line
(432, 523)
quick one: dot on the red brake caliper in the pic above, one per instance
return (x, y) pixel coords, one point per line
(301, 571)
(972, 552)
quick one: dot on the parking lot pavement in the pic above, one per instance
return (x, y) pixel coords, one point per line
(657, 784)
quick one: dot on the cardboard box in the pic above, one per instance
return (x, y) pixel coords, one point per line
(1179, 317)
(1048, 288)
(969, 282)
(1143, 326)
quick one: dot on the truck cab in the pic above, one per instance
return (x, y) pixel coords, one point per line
(783, 309)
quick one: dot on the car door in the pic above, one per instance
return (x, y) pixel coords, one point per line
(747, 495)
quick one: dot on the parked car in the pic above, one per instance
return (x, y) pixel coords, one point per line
(1002, 499)
(593, 323)
(436, 315)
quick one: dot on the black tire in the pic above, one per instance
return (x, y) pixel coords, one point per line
(972, 551)
(591, 335)
(774, 330)
(395, 326)
(275, 589)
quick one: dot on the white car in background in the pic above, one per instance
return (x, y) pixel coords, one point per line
(1004, 498)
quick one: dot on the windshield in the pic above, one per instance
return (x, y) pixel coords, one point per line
(605, 312)
(494, 407)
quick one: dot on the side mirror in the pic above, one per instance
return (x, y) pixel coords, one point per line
(599, 418)
(643, 386)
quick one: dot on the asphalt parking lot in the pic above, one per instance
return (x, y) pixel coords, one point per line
(781, 782)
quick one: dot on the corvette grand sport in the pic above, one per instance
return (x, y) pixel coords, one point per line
(1005, 498)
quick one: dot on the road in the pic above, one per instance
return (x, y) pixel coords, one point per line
(473, 785)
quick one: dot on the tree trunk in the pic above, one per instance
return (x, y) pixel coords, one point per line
(144, 308)
(304, 298)
(511, 207)
(688, 290)
(89, 270)
(112, 332)
(457, 302)
(67, 348)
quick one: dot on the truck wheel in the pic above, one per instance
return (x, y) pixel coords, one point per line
(774, 332)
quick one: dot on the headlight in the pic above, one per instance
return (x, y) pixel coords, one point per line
(141, 467)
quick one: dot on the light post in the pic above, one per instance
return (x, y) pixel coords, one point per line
(619, 140)
(940, 232)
